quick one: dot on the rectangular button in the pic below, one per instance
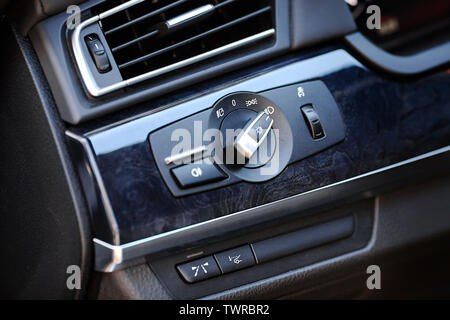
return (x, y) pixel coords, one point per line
(200, 269)
(235, 259)
(197, 173)
(303, 239)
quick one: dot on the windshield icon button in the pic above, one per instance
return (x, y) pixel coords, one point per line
(235, 259)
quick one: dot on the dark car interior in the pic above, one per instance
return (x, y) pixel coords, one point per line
(225, 149)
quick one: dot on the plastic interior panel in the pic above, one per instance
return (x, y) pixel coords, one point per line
(166, 272)
(289, 103)
(129, 172)
(399, 65)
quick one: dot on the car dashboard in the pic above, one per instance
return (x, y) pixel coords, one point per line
(225, 149)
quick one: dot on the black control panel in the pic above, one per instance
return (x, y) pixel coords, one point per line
(221, 263)
(266, 250)
(263, 251)
(247, 136)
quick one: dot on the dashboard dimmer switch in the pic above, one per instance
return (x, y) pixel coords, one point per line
(313, 122)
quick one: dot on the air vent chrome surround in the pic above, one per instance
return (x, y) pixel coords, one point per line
(94, 89)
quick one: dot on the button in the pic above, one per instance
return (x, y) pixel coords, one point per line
(199, 269)
(95, 46)
(235, 259)
(197, 173)
(304, 239)
(313, 122)
(98, 53)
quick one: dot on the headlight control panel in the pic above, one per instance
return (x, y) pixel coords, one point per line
(247, 136)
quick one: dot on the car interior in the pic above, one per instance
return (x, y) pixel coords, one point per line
(225, 149)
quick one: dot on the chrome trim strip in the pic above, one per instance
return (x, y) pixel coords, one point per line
(200, 57)
(189, 15)
(137, 249)
(112, 255)
(181, 156)
(97, 177)
(88, 79)
(119, 8)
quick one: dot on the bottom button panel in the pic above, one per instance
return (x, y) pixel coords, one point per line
(199, 269)
(235, 259)
(266, 250)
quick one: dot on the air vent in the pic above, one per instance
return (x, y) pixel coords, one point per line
(160, 36)
(150, 38)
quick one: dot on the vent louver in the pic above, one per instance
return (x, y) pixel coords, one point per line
(153, 37)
